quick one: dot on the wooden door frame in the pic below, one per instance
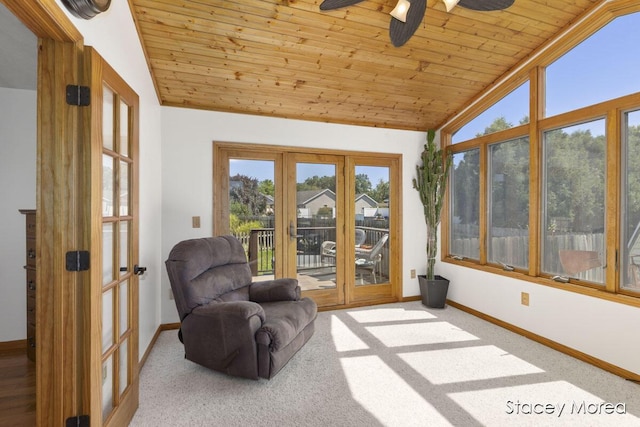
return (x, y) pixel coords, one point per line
(96, 73)
(61, 220)
(355, 298)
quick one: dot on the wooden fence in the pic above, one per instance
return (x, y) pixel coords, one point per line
(514, 250)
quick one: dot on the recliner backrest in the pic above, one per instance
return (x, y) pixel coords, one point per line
(202, 270)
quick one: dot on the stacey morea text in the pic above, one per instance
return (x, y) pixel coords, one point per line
(559, 409)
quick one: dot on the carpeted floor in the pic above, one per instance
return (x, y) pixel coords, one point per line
(392, 365)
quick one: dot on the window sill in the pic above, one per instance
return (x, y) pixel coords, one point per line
(619, 298)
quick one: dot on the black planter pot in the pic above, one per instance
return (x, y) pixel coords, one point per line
(433, 292)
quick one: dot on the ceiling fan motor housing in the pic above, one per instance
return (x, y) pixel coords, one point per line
(86, 9)
(401, 31)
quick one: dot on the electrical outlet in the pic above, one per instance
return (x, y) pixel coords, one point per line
(524, 298)
(170, 293)
(413, 274)
(195, 221)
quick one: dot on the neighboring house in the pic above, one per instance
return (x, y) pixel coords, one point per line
(364, 201)
(310, 201)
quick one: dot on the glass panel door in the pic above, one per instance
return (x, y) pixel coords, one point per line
(252, 212)
(331, 220)
(372, 272)
(315, 221)
(371, 225)
(117, 264)
(114, 283)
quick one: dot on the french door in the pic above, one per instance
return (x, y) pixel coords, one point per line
(113, 330)
(69, 304)
(313, 215)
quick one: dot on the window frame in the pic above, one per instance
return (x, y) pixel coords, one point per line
(543, 212)
(533, 68)
(452, 204)
(490, 204)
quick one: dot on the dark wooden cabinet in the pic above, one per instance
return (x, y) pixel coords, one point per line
(30, 267)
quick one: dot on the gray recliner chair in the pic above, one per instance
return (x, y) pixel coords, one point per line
(229, 323)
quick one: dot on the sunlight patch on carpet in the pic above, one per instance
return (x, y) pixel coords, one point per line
(467, 364)
(551, 403)
(389, 315)
(384, 394)
(343, 338)
(419, 334)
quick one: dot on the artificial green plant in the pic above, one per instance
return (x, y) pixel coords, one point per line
(431, 183)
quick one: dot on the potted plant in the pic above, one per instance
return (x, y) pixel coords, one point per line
(431, 182)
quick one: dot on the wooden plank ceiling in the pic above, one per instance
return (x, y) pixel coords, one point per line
(289, 59)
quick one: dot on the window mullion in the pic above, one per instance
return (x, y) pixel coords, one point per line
(484, 204)
(613, 201)
(534, 200)
(536, 110)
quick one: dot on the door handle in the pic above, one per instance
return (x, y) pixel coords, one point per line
(139, 271)
(293, 232)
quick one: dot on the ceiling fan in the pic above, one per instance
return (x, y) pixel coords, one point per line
(408, 14)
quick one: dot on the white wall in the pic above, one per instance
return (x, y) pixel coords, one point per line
(17, 191)
(114, 36)
(187, 172)
(600, 328)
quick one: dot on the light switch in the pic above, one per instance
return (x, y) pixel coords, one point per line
(195, 221)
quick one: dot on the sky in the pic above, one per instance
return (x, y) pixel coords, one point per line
(604, 66)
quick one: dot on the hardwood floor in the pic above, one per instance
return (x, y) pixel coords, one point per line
(17, 389)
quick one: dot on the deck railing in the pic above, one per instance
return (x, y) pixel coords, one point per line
(259, 244)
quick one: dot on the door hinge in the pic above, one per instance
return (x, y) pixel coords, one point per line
(78, 95)
(77, 260)
(79, 421)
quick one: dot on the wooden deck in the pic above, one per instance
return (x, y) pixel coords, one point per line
(322, 278)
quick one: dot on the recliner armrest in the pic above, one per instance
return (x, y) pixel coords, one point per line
(232, 310)
(285, 289)
(233, 323)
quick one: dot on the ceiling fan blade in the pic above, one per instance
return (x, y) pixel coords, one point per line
(400, 32)
(336, 4)
(486, 5)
